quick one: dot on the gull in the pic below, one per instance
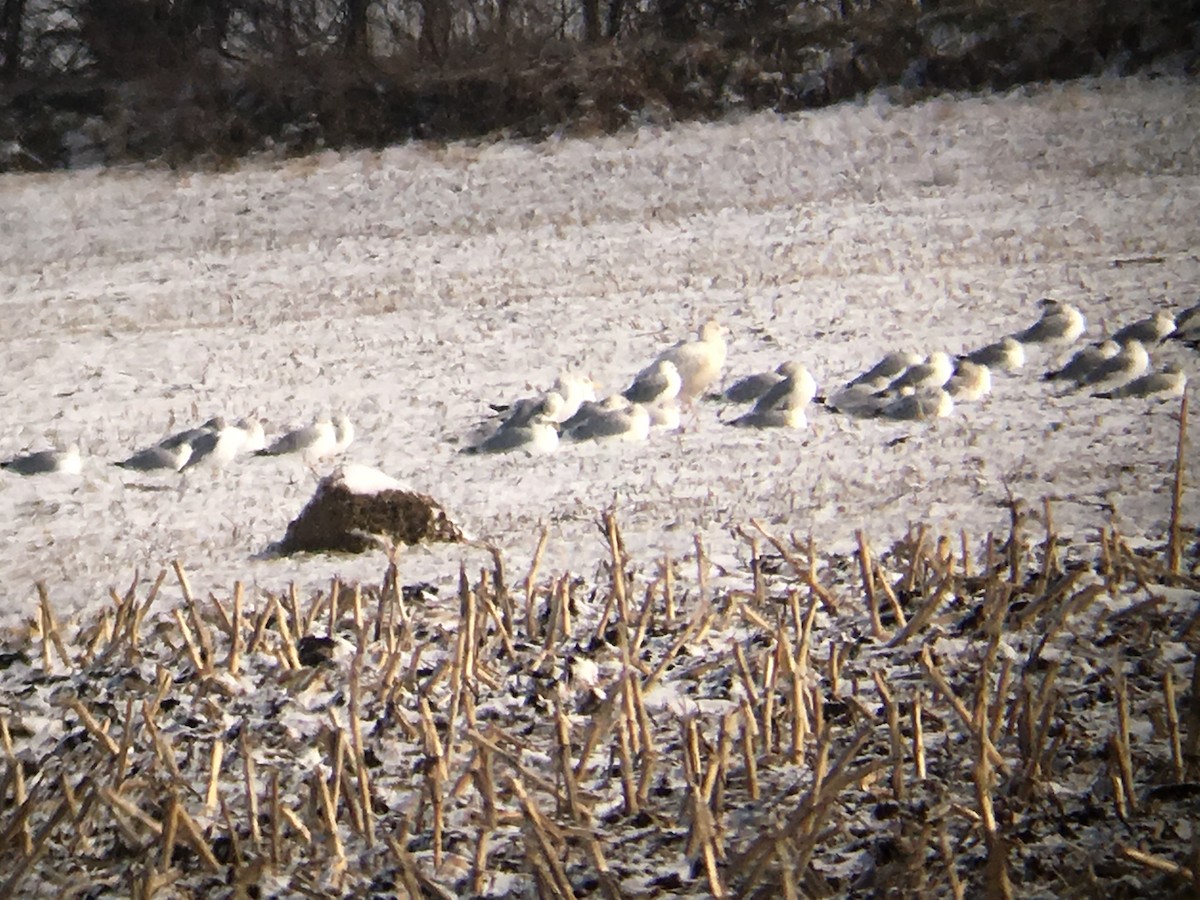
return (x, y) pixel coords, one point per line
(1084, 361)
(934, 403)
(1006, 354)
(699, 361)
(970, 382)
(158, 457)
(750, 388)
(1150, 330)
(44, 462)
(343, 433)
(628, 423)
(797, 390)
(256, 436)
(1060, 323)
(549, 406)
(773, 417)
(539, 435)
(932, 374)
(664, 416)
(660, 381)
(217, 448)
(891, 365)
(313, 442)
(187, 436)
(1170, 382)
(1128, 364)
(575, 390)
(1187, 325)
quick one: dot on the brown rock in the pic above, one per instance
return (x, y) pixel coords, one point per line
(354, 504)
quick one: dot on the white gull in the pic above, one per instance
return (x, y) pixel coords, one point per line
(699, 361)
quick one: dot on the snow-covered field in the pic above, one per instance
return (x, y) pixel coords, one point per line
(409, 287)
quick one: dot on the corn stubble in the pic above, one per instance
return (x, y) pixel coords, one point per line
(946, 718)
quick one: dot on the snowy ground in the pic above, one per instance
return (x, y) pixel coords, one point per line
(409, 287)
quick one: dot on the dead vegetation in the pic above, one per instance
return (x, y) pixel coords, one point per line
(1017, 716)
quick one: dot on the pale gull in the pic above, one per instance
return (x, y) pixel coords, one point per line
(44, 462)
(616, 422)
(1084, 361)
(575, 390)
(1060, 323)
(970, 383)
(538, 435)
(929, 403)
(1170, 382)
(1005, 355)
(1128, 364)
(699, 361)
(1150, 330)
(158, 458)
(658, 382)
(891, 365)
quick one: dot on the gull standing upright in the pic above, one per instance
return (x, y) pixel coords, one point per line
(699, 361)
(44, 462)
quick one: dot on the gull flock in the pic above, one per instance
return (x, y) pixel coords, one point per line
(902, 386)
